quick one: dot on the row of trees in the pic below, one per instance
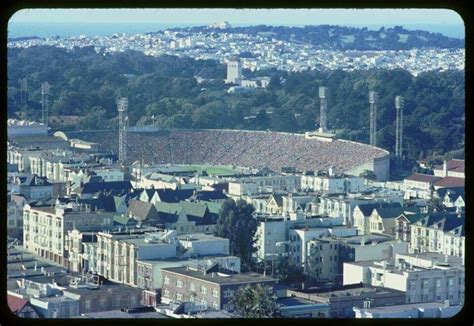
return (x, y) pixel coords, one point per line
(163, 91)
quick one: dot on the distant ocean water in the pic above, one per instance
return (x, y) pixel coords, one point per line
(16, 29)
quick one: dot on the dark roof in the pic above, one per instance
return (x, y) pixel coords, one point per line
(423, 178)
(209, 195)
(447, 222)
(221, 186)
(140, 210)
(174, 196)
(412, 218)
(450, 182)
(116, 187)
(367, 209)
(389, 212)
(34, 180)
(278, 199)
(453, 192)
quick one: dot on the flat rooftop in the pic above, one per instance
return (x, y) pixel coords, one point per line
(218, 278)
(295, 301)
(195, 237)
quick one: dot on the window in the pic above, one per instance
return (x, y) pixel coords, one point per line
(228, 293)
(450, 282)
(215, 305)
(215, 293)
(166, 293)
(179, 283)
(167, 280)
(203, 289)
(191, 286)
(179, 296)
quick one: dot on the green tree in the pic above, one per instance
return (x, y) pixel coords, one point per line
(256, 302)
(286, 271)
(237, 224)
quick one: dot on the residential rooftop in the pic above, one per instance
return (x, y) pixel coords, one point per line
(220, 278)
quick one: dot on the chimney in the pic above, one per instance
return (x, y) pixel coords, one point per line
(445, 168)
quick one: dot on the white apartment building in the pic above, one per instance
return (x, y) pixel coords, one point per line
(273, 233)
(440, 233)
(299, 239)
(45, 228)
(424, 277)
(332, 184)
(264, 184)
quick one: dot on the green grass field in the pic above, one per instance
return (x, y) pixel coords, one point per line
(213, 169)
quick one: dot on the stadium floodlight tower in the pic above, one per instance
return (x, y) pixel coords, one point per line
(323, 108)
(44, 103)
(399, 103)
(373, 99)
(122, 107)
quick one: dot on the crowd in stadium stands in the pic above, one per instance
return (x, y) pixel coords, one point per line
(240, 148)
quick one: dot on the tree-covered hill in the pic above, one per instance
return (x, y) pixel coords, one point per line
(346, 38)
(164, 91)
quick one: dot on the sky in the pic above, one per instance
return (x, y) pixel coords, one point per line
(243, 16)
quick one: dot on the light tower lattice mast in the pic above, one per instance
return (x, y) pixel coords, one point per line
(373, 99)
(122, 107)
(399, 103)
(323, 108)
(44, 102)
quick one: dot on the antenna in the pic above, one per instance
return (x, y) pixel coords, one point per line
(44, 102)
(122, 107)
(373, 99)
(323, 108)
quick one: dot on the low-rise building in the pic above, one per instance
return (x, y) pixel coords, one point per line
(424, 277)
(210, 288)
(417, 310)
(342, 299)
(331, 184)
(104, 297)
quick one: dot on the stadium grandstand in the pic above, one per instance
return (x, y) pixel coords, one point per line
(256, 149)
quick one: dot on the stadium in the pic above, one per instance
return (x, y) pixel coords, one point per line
(255, 149)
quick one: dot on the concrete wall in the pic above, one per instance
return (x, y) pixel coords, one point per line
(354, 274)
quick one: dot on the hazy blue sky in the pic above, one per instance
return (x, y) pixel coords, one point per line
(243, 16)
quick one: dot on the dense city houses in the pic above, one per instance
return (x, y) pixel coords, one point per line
(266, 51)
(215, 223)
(89, 235)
